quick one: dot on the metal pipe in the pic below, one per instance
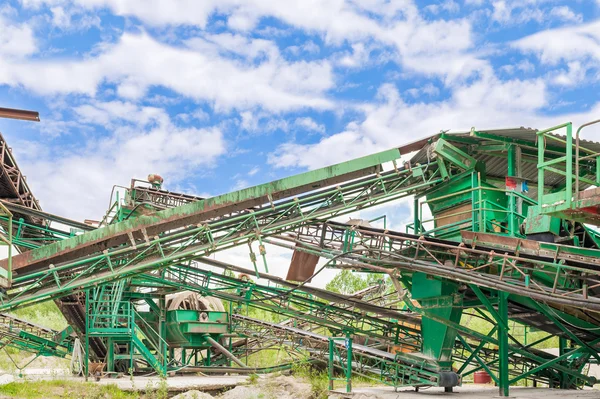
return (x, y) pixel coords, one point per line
(246, 370)
(19, 114)
(227, 354)
(577, 156)
(553, 128)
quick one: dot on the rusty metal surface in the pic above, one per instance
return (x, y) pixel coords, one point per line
(418, 144)
(593, 193)
(22, 114)
(302, 266)
(474, 238)
(73, 308)
(13, 185)
(583, 257)
(35, 213)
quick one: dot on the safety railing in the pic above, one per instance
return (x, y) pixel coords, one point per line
(32, 236)
(568, 165)
(592, 155)
(106, 319)
(119, 320)
(474, 219)
(345, 360)
(153, 338)
(114, 209)
(554, 165)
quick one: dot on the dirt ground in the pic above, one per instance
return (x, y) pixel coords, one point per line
(285, 387)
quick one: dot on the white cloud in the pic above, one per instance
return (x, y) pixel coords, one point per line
(564, 44)
(199, 115)
(330, 150)
(308, 47)
(224, 43)
(487, 103)
(261, 122)
(77, 182)
(511, 12)
(273, 84)
(108, 113)
(448, 5)
(16, 40)
(239, 184)
(523, 66)
(356, 58)
(73, 19)
(501, 11)
(573, 50)
(390, 23)
(309, 124)
(429, 89)
(566, 14)
(574, 75)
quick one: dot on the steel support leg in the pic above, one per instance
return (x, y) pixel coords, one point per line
(110, 358)
(162, 330)
(330, 364)
(349, 365)
(503, 376)
(416, 214)
(562, 349)
(86, 347)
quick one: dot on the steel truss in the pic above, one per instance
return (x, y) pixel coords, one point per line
(471, 347)
(182, 245)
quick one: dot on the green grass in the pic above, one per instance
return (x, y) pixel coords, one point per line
(484, 327)
(318, 379)
(45, 314)
(52, 389)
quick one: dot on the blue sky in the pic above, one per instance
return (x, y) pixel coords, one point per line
(216, 95)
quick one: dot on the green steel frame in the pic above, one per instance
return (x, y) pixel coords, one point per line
(181, 245)
(474, 259)
(578, 170)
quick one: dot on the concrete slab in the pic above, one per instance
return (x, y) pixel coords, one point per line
(467, 392)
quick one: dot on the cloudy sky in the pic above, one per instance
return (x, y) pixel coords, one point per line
(216, 95)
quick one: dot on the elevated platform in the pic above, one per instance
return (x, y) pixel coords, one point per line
(585, 208)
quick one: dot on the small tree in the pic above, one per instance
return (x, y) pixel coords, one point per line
(347, 282)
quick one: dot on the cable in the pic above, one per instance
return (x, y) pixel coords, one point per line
(566, 322)
(77, 358)
(303, 283)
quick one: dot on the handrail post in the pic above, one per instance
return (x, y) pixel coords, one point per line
(577, 156)
(417, 216)
(512, 172)
(86, 349)
(569, 165)
(541, 144)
